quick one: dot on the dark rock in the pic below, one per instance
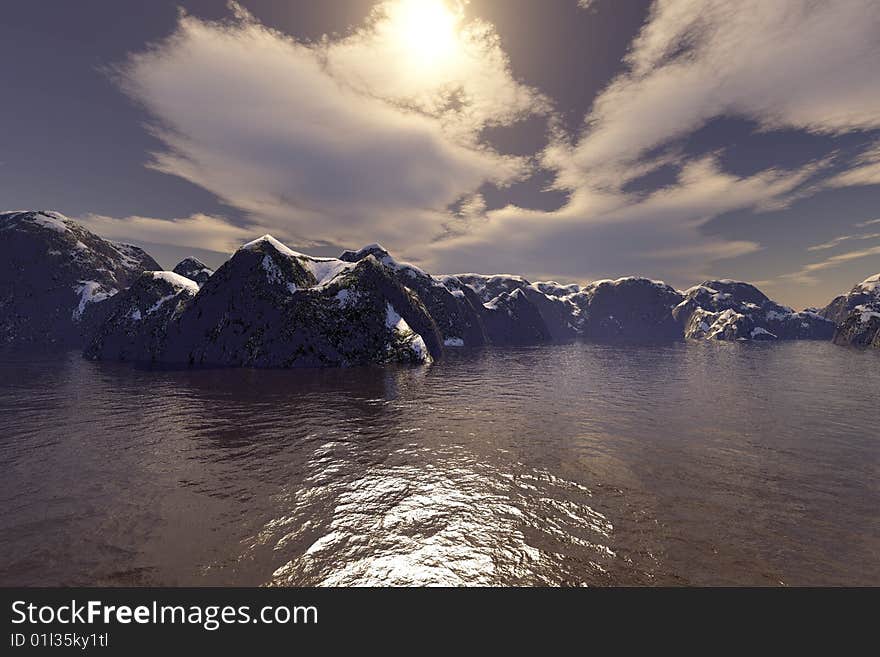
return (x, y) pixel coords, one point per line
(561, 314)
(455, 309)
(488, 287)
(271, 307)
(136, 328)
(53, 274)
(511, 319)
(558, 318)
(194, 269)
(630, 310)
(859, 329)
(857, 314)
(268, 306)
(732, 310)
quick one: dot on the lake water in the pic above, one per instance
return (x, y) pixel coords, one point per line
(571, 464)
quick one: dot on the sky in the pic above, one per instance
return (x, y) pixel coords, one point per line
(570, 140)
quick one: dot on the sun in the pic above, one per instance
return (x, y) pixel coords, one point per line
(427, 30)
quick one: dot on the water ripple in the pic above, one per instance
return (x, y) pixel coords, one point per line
(567, 465)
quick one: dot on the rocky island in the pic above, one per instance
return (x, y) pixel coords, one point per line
(269, 306)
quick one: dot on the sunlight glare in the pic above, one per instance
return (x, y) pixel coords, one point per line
(427, 29)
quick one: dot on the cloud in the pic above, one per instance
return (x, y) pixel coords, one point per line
(793, 64)
(344, 141)
(374, 136)
(603, 233)
(198, 231)
(806, 274)
(843, 238)
(866, 170)
(787, 64)
(424, 55)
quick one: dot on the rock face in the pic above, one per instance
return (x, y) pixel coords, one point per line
(269, 306)
(136, 326)
(536, 315)
(54, 273)
(857, 315)
(631, 310)
(511, 319)
(488, 287)
(456, 309)
(625, 310)
(194, 269)
(733, 310)
(634, 310)
(561, 309)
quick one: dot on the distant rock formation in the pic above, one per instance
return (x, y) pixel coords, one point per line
(490, 286)
(54, 273)
(511, 319)
(857, 315)
(268, 306)
(626, 310)
(193, 269)
(631, 310)
(733, 310)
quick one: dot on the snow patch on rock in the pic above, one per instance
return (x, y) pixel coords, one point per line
(403, 332)
(325, 270)
(870, 285)
(347, 297)
(178, 281)
(275, 244)
(52, 221)
(89, 292)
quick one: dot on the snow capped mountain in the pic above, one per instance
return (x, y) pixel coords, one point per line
(454, 308)
(193, 269)
(733, 310)
(54, 272)
(871, 285)
(138, 319)
(633, 309)
(857, 314)
(510, 318)
(628, 309)
(554, 289)
(270, 306)
(490, 286)
(863, 293)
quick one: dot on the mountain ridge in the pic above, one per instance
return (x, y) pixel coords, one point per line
(270, 306)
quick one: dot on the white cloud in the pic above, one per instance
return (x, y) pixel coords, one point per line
(603, 233)
(792, 64)
(424, 54)
(787, 63)
(865, 170)
(830, 244)
(198, 231)
(806, 275)
(371, 136)
(314, 141)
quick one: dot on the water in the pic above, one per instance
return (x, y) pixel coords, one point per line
(573, 465)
